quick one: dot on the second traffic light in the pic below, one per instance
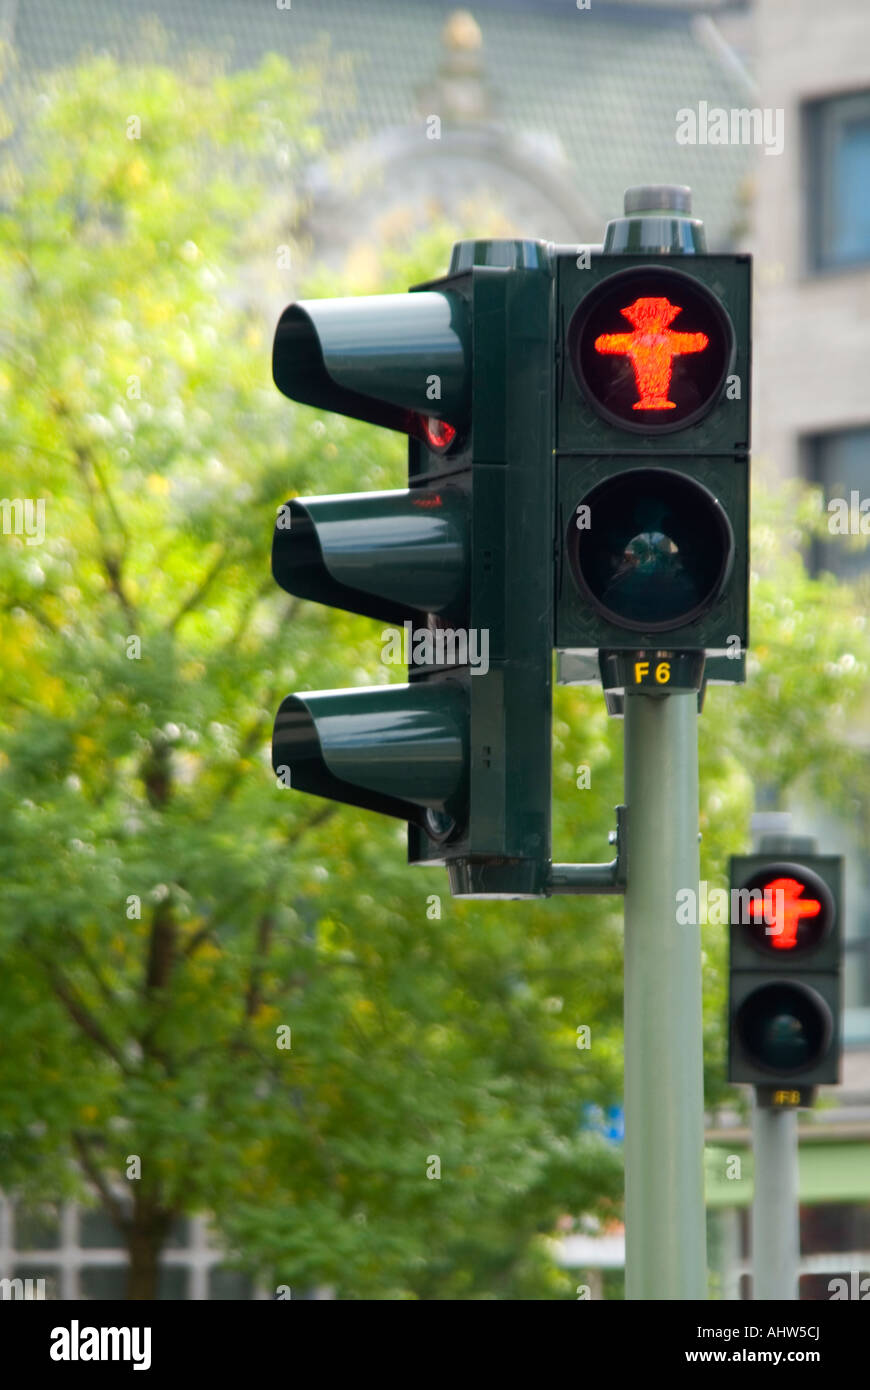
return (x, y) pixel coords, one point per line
(786, 946)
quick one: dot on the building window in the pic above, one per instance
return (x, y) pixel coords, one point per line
(840, 464)
(838, 187)
(63, 1251)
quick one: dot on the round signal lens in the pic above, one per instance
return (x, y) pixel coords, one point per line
(650, 549)
(784, 1027)
(784, 908)
(651, 349)
(438, 434)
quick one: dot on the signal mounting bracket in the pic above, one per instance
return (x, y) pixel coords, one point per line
(595, 878)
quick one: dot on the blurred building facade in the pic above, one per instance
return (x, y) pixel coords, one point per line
(810, 234)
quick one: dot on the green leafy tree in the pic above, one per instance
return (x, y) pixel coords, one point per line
(169, 913)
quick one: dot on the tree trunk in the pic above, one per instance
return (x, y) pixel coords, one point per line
(146, 1236)
(143, 1246)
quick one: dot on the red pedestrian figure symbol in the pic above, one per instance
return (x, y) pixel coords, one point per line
(652, 347)
(782, 909)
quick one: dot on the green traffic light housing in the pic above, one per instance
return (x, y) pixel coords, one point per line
(461, 751)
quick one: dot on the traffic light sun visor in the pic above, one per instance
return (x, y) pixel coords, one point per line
(361, 357)
(300, 372)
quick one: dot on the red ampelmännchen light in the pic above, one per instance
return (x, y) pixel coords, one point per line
(784, 934)
(651, 347)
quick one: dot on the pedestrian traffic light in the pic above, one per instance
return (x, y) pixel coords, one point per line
(652, 439)
(785, 964)
(459, 564)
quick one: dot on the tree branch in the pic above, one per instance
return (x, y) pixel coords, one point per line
(253, 997)
(89, 961)
(111, 562)
(34, 612)
(161, 948)
(248, 607)
(110, 501)
(201, 589)
(81, 1015)
(110, 1201)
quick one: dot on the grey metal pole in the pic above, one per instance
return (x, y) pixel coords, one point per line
(665, 1225)
(775, 1209)
(775, 1226)
(729, 1235)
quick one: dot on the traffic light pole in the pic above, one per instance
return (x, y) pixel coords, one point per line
(664, 1094)
(775, 1223)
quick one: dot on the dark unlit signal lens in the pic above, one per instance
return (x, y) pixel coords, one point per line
(784, 1027)
(656, 552)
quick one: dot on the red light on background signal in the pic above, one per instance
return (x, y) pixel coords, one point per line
(783, 935)
(439, 435)
(651, 347)
(428, 501)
